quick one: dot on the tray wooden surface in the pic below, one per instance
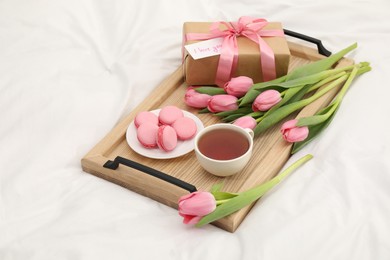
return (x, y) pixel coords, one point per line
(270, 151)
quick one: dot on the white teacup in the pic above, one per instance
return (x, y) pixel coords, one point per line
(224, 149)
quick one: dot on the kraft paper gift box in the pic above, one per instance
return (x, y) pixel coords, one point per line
(203, 71)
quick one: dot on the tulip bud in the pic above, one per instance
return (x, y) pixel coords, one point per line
(196, 205)
(246, 122)
(238, 86)
(265, 100)
(220, 103)
(293, 133)
(195, 99)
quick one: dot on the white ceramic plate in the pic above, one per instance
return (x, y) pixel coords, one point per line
(183, 147)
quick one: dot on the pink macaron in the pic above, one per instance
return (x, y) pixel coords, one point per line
(170, 114)
(166, 138)
(145, 117)
(146, 134)
(185, 128)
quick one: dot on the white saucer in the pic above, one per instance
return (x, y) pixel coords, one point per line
(183, 147)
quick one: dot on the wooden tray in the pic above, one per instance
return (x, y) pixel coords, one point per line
(269, 155)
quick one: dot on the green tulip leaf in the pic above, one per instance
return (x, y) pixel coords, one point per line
(314, 131)
(249, 97)
(310, 79)
(210, 90)
(219, 195)
(320, 65)
(240, 110)
(216, 187)
(231, 118)
(204, 111)
(247, 197)
(318, 118)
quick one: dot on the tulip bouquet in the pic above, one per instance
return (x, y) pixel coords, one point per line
(260, 106)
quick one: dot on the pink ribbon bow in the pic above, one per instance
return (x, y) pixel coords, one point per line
(249, 27)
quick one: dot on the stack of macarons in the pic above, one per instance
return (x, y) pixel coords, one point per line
(165, 129)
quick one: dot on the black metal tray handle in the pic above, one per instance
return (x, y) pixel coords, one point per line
(113, 165)
(321, 49)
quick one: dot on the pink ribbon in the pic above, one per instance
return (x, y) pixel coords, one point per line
(249, 27)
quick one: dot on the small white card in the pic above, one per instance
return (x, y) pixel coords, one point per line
(205, 49)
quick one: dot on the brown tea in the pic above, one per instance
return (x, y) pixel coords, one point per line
(223, 144)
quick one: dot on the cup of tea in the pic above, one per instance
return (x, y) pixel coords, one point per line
(224, 149)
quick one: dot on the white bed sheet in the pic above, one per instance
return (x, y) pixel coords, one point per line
(70, 70)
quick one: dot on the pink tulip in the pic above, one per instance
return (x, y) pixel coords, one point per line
(265, 100)
(293, 133)
(219, 103)
(196, 205)
(238, 86)
(246, 122)
(195, 99)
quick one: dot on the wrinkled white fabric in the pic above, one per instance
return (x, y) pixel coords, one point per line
(70, 70)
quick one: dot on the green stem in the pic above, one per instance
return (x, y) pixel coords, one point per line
(292, 167)
(321, 92)
(328, 111)
(314, 78)
(363, 68)
(326, 80)
(347, 84)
